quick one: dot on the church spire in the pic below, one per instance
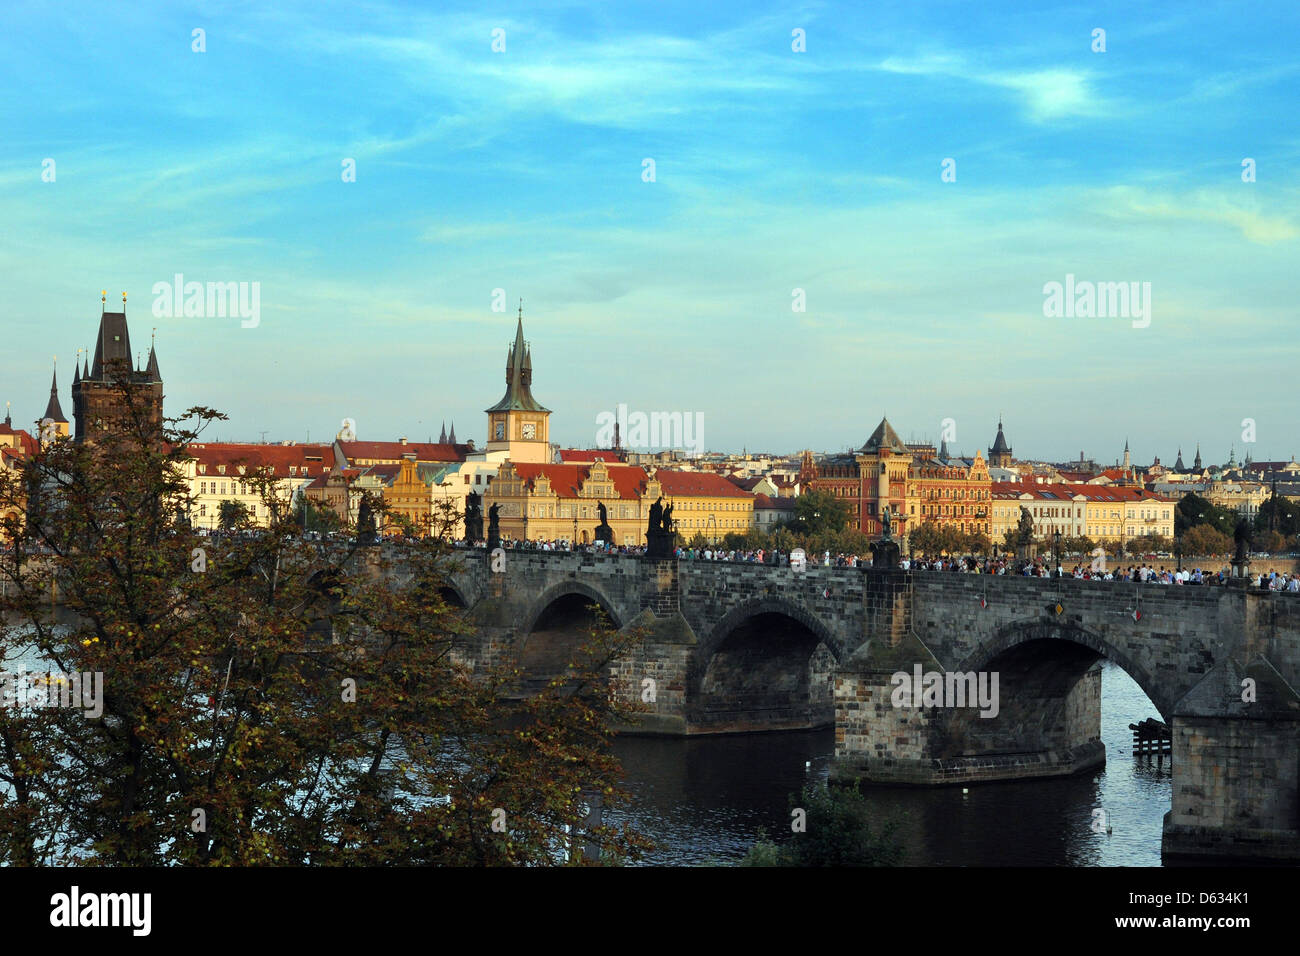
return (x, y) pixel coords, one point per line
(151, 369)
(442, 435)
(451, 437)
(53, 411)
(519, 375)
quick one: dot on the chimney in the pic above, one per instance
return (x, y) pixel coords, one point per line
(403, 439)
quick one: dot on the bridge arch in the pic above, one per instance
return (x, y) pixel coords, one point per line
(561, 590)
(768, 664)
(455, 593)
(1010, 636)
(770, 605)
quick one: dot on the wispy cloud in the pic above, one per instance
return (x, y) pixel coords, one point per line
(1045, 94)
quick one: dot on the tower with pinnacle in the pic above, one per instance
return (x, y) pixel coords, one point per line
(108, 387)
(54, 424)
(518, 424)
(1000, 452)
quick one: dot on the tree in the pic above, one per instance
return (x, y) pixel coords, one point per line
(310, 515)
(262, 703)
(837, 832)
(1287, 516)
(233, 516)
(1080, 544)
(818, 511)
(1147, 543)
(1269, 542)
(1193, 510)
(926, 538)
(1204, 539)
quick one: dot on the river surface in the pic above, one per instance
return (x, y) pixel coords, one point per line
(703, 800)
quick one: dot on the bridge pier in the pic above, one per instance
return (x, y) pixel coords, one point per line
(1021, 718)
(1236, 786)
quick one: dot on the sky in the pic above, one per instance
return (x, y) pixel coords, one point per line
(915, 175)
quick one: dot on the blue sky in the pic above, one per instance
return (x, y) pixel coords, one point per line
(774, 170)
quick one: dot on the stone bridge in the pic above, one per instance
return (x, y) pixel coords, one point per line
(744, 647)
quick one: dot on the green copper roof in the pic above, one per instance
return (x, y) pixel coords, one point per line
(519, 377)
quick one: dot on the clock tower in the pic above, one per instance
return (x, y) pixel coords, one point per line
(518, 424)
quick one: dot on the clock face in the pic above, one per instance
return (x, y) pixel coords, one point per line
(501, 430)
(530, 430)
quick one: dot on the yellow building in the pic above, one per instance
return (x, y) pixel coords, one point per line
(220, 471)
(550, 502)
(1053, 508)
(416, 492)
(16, 446)
(559, 502)
(705, 504)
(1107, 514)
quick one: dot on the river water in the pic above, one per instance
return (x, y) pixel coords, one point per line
(702, 800)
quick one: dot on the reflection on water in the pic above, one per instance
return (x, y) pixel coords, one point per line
(702, 800)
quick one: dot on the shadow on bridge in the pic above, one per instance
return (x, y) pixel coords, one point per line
(767, 666)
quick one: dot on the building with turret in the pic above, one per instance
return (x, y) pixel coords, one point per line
(54, 424)
(1000, 451)
(107, 389)
(518, 424)
(917, 484)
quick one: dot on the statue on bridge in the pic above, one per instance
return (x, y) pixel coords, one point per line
(1241, 557)
(656, 516)
(604, 533)
(473, 518)
(659, 534)
(1025, 527)
(494, 528)
(1025, 550)
(885, 552)
(367, 533)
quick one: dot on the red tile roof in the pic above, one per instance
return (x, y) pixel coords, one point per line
(698, 484)
(309, 460)
(1062, 492)
(773, 504)
(629, 480)
(568, 455)
(395, 450)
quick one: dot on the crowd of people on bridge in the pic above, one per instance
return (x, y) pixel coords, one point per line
(1003, 565)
